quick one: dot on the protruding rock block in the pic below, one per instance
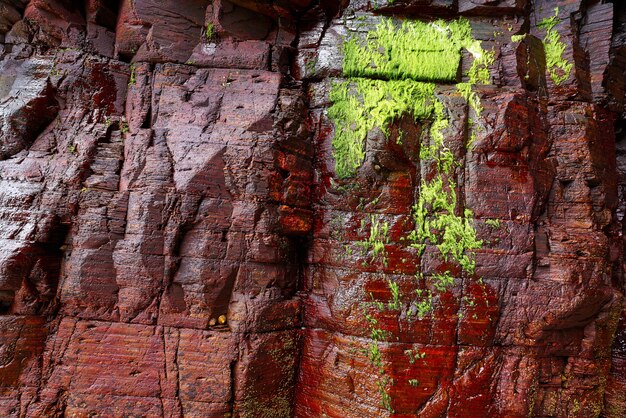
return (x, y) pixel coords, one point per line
(158, 31)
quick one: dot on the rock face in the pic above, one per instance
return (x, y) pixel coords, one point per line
(175, 239)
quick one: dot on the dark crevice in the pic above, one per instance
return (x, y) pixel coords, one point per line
(6, 301)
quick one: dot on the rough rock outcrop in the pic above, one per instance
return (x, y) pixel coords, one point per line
(176, 239)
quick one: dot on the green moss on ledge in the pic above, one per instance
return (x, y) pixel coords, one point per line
(416, 50)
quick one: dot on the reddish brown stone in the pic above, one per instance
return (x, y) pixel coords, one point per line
(174, 240)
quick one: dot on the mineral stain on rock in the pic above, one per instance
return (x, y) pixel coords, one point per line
(267, 208)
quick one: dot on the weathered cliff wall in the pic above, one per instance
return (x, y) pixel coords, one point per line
(214, 208)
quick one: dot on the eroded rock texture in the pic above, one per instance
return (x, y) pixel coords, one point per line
(174, 239)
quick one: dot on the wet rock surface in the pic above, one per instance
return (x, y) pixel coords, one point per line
(175, 240)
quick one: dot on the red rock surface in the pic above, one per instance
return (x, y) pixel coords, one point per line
(173, 238)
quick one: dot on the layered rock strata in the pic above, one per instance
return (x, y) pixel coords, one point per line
(177, 236)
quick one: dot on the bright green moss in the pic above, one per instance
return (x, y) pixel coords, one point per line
(414, 355)
(472, 99)
(209, 31)
(443, 280)
(385, 398)
(133, 76)
(493, 223)
(394, 289)
(377, 239)
(479, 71)
(465, 89)
(402, 55)
(437, 223)
(424, 303)
(558, 67)
(361, 105)
(435, 149)
(392, 73)
(417, 50)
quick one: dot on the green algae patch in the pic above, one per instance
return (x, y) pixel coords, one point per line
(391, 73)
(437, 223)
(416, 50)
(559, 68)
(361, 105)
(391, 55)
(377, 239)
